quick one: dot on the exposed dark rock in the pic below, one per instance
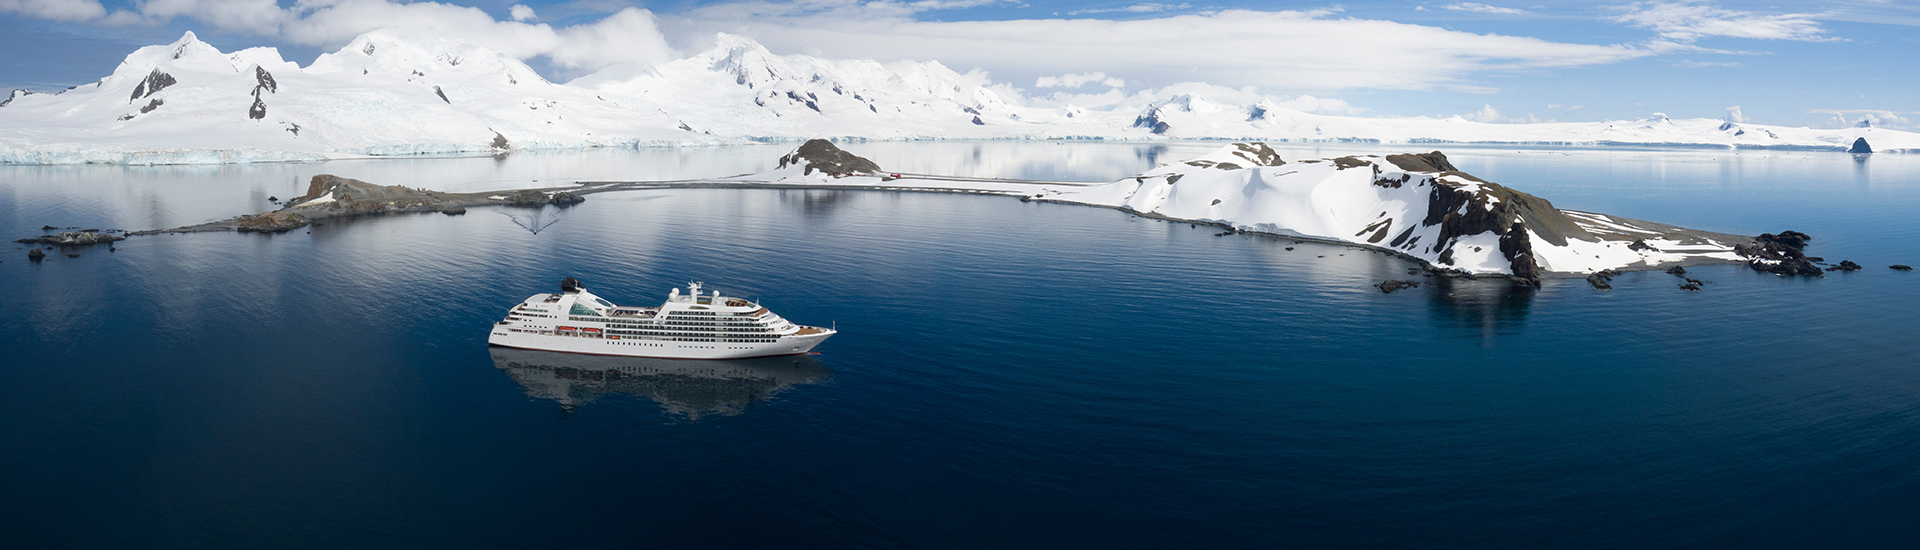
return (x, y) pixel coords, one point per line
(36, 255)
(1602, 280)
(1781, 254)
(1899, 267)
(73, 238)
(500, 141)
(1344, 163)
(73, 255)
(1387, 287)
(1845, 265)
(48, 228)
(1640, 245)
(264, 81)
(154, 82)
(978, 122)
(1151, 121)
(436, 91)
(258, 110)
(1860, 146)
(1678, 270)
(1517, 247)
(1430, 162)
(155, 103)
(1690, 286)
(1793, 239)
(822, 156)
(455, 211)
(269, 222)
(564, 199)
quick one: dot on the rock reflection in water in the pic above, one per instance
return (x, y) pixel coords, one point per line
(813, 202)
(690, 388)
(1495, 307)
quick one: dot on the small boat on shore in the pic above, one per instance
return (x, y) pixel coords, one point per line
(686, 326)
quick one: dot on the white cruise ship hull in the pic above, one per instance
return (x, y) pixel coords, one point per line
(668, 349)
(686, 326)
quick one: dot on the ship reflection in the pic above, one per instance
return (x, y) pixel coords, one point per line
(683, 387)
(1488, 307)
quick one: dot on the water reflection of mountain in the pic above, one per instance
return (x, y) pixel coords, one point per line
(1490, 307)
(692, 388)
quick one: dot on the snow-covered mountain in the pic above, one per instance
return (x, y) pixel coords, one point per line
(390, 94)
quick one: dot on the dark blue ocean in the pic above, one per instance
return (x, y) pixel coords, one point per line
(1008, 374)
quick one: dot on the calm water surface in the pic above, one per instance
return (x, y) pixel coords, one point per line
(1008, 374)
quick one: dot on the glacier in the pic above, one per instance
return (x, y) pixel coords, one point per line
(387, 94)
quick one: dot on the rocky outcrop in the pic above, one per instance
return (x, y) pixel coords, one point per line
(1845, 265)
(36, 255)
(1860, 147)
(154, 82)
(1900, 267)
(1387, 287)
(1603, 279)
(534, 198)
(819, 155)
(1470, 206)
(270, 222)
(1782, 254)
(73, 238)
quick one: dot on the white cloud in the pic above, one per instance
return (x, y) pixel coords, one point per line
(1072, 80)
(1483, 8)
(520, 12)
(1734, 115)
(1879, 119)
(57, 10)
(1690, 20)
(1281, 51)
(1492, 115)
(1137, 8)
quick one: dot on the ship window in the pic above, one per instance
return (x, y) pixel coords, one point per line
(603, 303)
(579, 309)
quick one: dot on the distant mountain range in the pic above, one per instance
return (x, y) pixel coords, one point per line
(392, 94)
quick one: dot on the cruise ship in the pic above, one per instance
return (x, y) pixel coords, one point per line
(687, 326)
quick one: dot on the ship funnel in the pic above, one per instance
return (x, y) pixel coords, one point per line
(570, 284)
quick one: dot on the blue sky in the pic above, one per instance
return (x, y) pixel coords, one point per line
(1788, 63)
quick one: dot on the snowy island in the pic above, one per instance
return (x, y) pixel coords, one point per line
(387, 94)
(1416, 206)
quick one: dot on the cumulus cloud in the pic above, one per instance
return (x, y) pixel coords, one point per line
(520, 12)
(1876, 118)
(57, 10)
(1483, 8)
(1690, 20)
(1734, 115)
(1284, 51)
(1072, 80)
(1492, 115)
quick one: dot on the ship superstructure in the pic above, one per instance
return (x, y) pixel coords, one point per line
(686, 326)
